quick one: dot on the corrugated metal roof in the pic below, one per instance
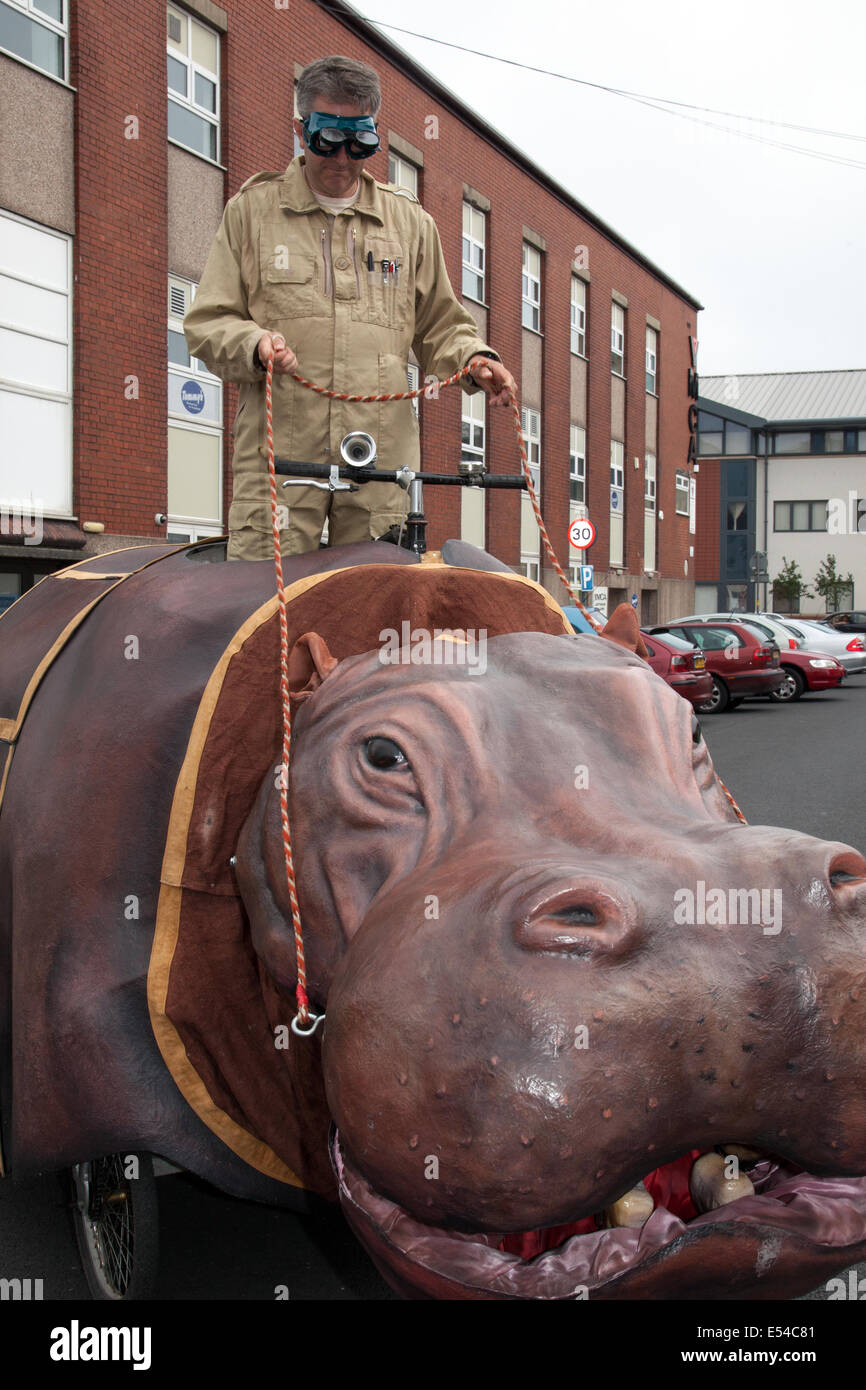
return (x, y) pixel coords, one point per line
(788, 396)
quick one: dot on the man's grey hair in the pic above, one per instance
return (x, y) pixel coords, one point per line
(342, 81)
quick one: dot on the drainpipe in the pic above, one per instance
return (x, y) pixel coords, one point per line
(766, 521)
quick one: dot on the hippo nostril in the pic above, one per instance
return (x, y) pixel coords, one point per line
(578, 922)
(847, 869)
(576, 916)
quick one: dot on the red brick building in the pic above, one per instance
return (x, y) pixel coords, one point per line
(119, 145)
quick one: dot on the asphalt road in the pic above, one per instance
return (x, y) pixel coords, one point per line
(799, 765)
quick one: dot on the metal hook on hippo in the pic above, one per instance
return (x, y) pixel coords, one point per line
(302, 1032)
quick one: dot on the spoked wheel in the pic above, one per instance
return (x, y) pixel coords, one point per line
(718, 701)
(115, 1214)
(793, 686)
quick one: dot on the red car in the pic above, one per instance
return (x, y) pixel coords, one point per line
(681, 664)
(806, 670)
(740, 660)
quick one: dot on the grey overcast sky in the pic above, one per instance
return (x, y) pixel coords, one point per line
(771, 241)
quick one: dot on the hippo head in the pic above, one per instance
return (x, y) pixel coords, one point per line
(588, 1034)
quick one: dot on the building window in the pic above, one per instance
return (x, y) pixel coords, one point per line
(531, 288)
(577, 464)
(578, 316)
(861, 441)
(195, 433)
(403, 173)
(617, 339)
(649, 488)
(800, 516)
(652, 360)
(834, 441)
(617, 464)
(530, 422)
(35, 30)
(530, 568)
(472, 424)
(473, 252)
(193, 84)
(681, 504)
(795, 442)
(35, 367)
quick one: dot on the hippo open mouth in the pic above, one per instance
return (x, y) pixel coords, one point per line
(778, 1241)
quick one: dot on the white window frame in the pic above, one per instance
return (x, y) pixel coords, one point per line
(474, 253)
(193, 532)
(36, 16)
(650, 479)
(473, 422)
(63, 397)
(175, 325)
(681, 494)
(189, 103)
(530, 426)
(402, 172)
(617, 465)
(578, 316)
(617, 338)
(652, 360)
(577, 465)
(531, 288)
(197, 369)
(531, 569)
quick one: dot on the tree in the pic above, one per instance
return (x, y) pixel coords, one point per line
(831, 585)
(790, 586)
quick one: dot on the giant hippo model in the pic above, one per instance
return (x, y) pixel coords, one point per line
(562, 979)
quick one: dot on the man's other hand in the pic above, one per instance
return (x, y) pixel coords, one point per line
(495, 380)
(274, 345)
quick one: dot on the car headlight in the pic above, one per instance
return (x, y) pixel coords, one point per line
(815, 661)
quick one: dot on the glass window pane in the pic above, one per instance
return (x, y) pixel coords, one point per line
(176, 75)
(191, 130)
(204, 47)
(795, 443)
(31, 41)
(178, 353)
(738, 439)
(53, 8)
(799, 516)
(834, 441)
(782, 516)
(710, 442)
(861, 440)
(176, 30)
(819, 516)
(205, 92)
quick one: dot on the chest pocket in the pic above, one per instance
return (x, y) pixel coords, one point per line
(288, 278)
(384, 297)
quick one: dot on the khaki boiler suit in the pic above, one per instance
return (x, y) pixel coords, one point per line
(280, 263)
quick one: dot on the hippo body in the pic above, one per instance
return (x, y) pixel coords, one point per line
(528, 912)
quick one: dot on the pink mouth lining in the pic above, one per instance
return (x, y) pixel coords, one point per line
(828, 1212)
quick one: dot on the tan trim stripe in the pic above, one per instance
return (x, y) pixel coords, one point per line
(96, 574)
(5, 778)
(7, 729)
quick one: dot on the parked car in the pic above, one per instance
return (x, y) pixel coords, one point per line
(807, 670)
(771, 627)
(818, 637)
(681, 664)
(847, 622)
(740, 660)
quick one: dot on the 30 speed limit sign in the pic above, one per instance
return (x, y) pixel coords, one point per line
(581, 534)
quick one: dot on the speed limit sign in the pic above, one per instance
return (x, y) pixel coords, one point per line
(581, 534)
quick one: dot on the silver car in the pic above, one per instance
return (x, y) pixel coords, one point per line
(770, 627)
(820, 637)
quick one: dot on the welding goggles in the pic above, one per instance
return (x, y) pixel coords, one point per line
(327, 134)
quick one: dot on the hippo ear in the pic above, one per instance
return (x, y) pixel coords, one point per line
(310, 663)
(623, 629)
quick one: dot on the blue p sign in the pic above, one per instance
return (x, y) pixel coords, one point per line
(586, 577)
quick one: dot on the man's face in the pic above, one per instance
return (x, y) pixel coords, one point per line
(335, 175)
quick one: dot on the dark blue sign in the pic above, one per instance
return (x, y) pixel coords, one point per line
(192, 397)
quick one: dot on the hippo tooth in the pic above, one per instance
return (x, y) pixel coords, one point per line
(709, 1186)
(633, 1209)
(742, 1152)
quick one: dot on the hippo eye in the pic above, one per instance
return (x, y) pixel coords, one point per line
(385, 754)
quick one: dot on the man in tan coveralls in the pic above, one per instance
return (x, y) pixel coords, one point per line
(289, 275)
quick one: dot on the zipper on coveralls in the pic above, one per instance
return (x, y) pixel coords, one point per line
(326, 259)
